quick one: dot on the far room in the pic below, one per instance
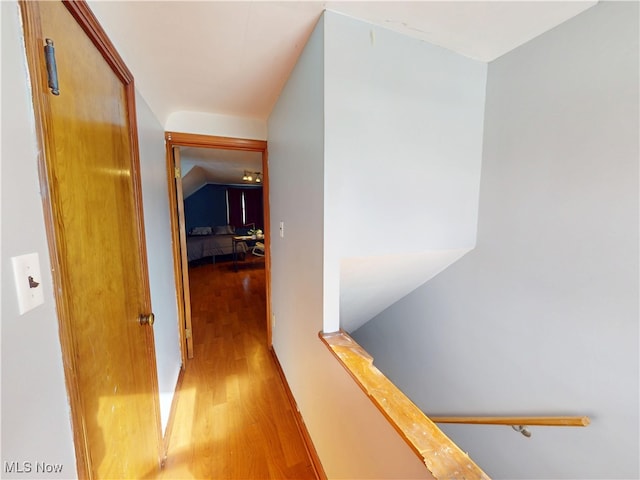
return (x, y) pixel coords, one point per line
(223, 206)
(223, 248)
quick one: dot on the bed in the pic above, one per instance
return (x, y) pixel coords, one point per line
(202, 245)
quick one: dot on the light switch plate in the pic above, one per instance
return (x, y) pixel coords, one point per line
(26, 274)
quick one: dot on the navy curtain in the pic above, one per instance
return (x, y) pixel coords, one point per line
(253, 207)
(235, 206)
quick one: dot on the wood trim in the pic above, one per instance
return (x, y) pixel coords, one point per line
(267, 236)
(172, 416)
(89, 23)
(528, 421)
(181, 139)
(183, 260)
(212, 141)
(302, 428)
(442, 457)
(177, 256)
(42, 111)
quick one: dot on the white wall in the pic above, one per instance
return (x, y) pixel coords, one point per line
(542, 317)
(217, 124)
(352, 438)
(403, 140)
(36, 423)
(155, 198)
(403, 149)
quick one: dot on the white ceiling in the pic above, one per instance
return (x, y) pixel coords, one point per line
(233, 58)
(210, 165)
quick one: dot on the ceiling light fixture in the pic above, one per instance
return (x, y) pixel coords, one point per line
(252, 176)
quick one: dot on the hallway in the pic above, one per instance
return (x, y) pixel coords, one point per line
(233, 419)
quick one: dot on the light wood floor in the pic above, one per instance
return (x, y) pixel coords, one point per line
(233, 420)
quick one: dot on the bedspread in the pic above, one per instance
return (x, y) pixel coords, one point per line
(202, 246)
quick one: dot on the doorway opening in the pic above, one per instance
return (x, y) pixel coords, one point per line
(174, 143)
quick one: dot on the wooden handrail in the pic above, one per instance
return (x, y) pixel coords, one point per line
(443, 458)
(541, 421)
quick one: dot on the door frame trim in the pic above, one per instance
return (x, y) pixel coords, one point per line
(33, 37)
(180, 139)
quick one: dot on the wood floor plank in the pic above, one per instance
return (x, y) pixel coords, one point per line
(233, 419)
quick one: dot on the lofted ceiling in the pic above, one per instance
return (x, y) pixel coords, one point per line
(211, 165)
(233, 58)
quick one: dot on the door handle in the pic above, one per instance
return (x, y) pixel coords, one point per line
(147, 319)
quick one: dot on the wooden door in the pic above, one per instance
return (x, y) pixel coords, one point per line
(91, 186)
(185, 329)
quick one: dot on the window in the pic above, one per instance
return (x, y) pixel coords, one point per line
(244, 210)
